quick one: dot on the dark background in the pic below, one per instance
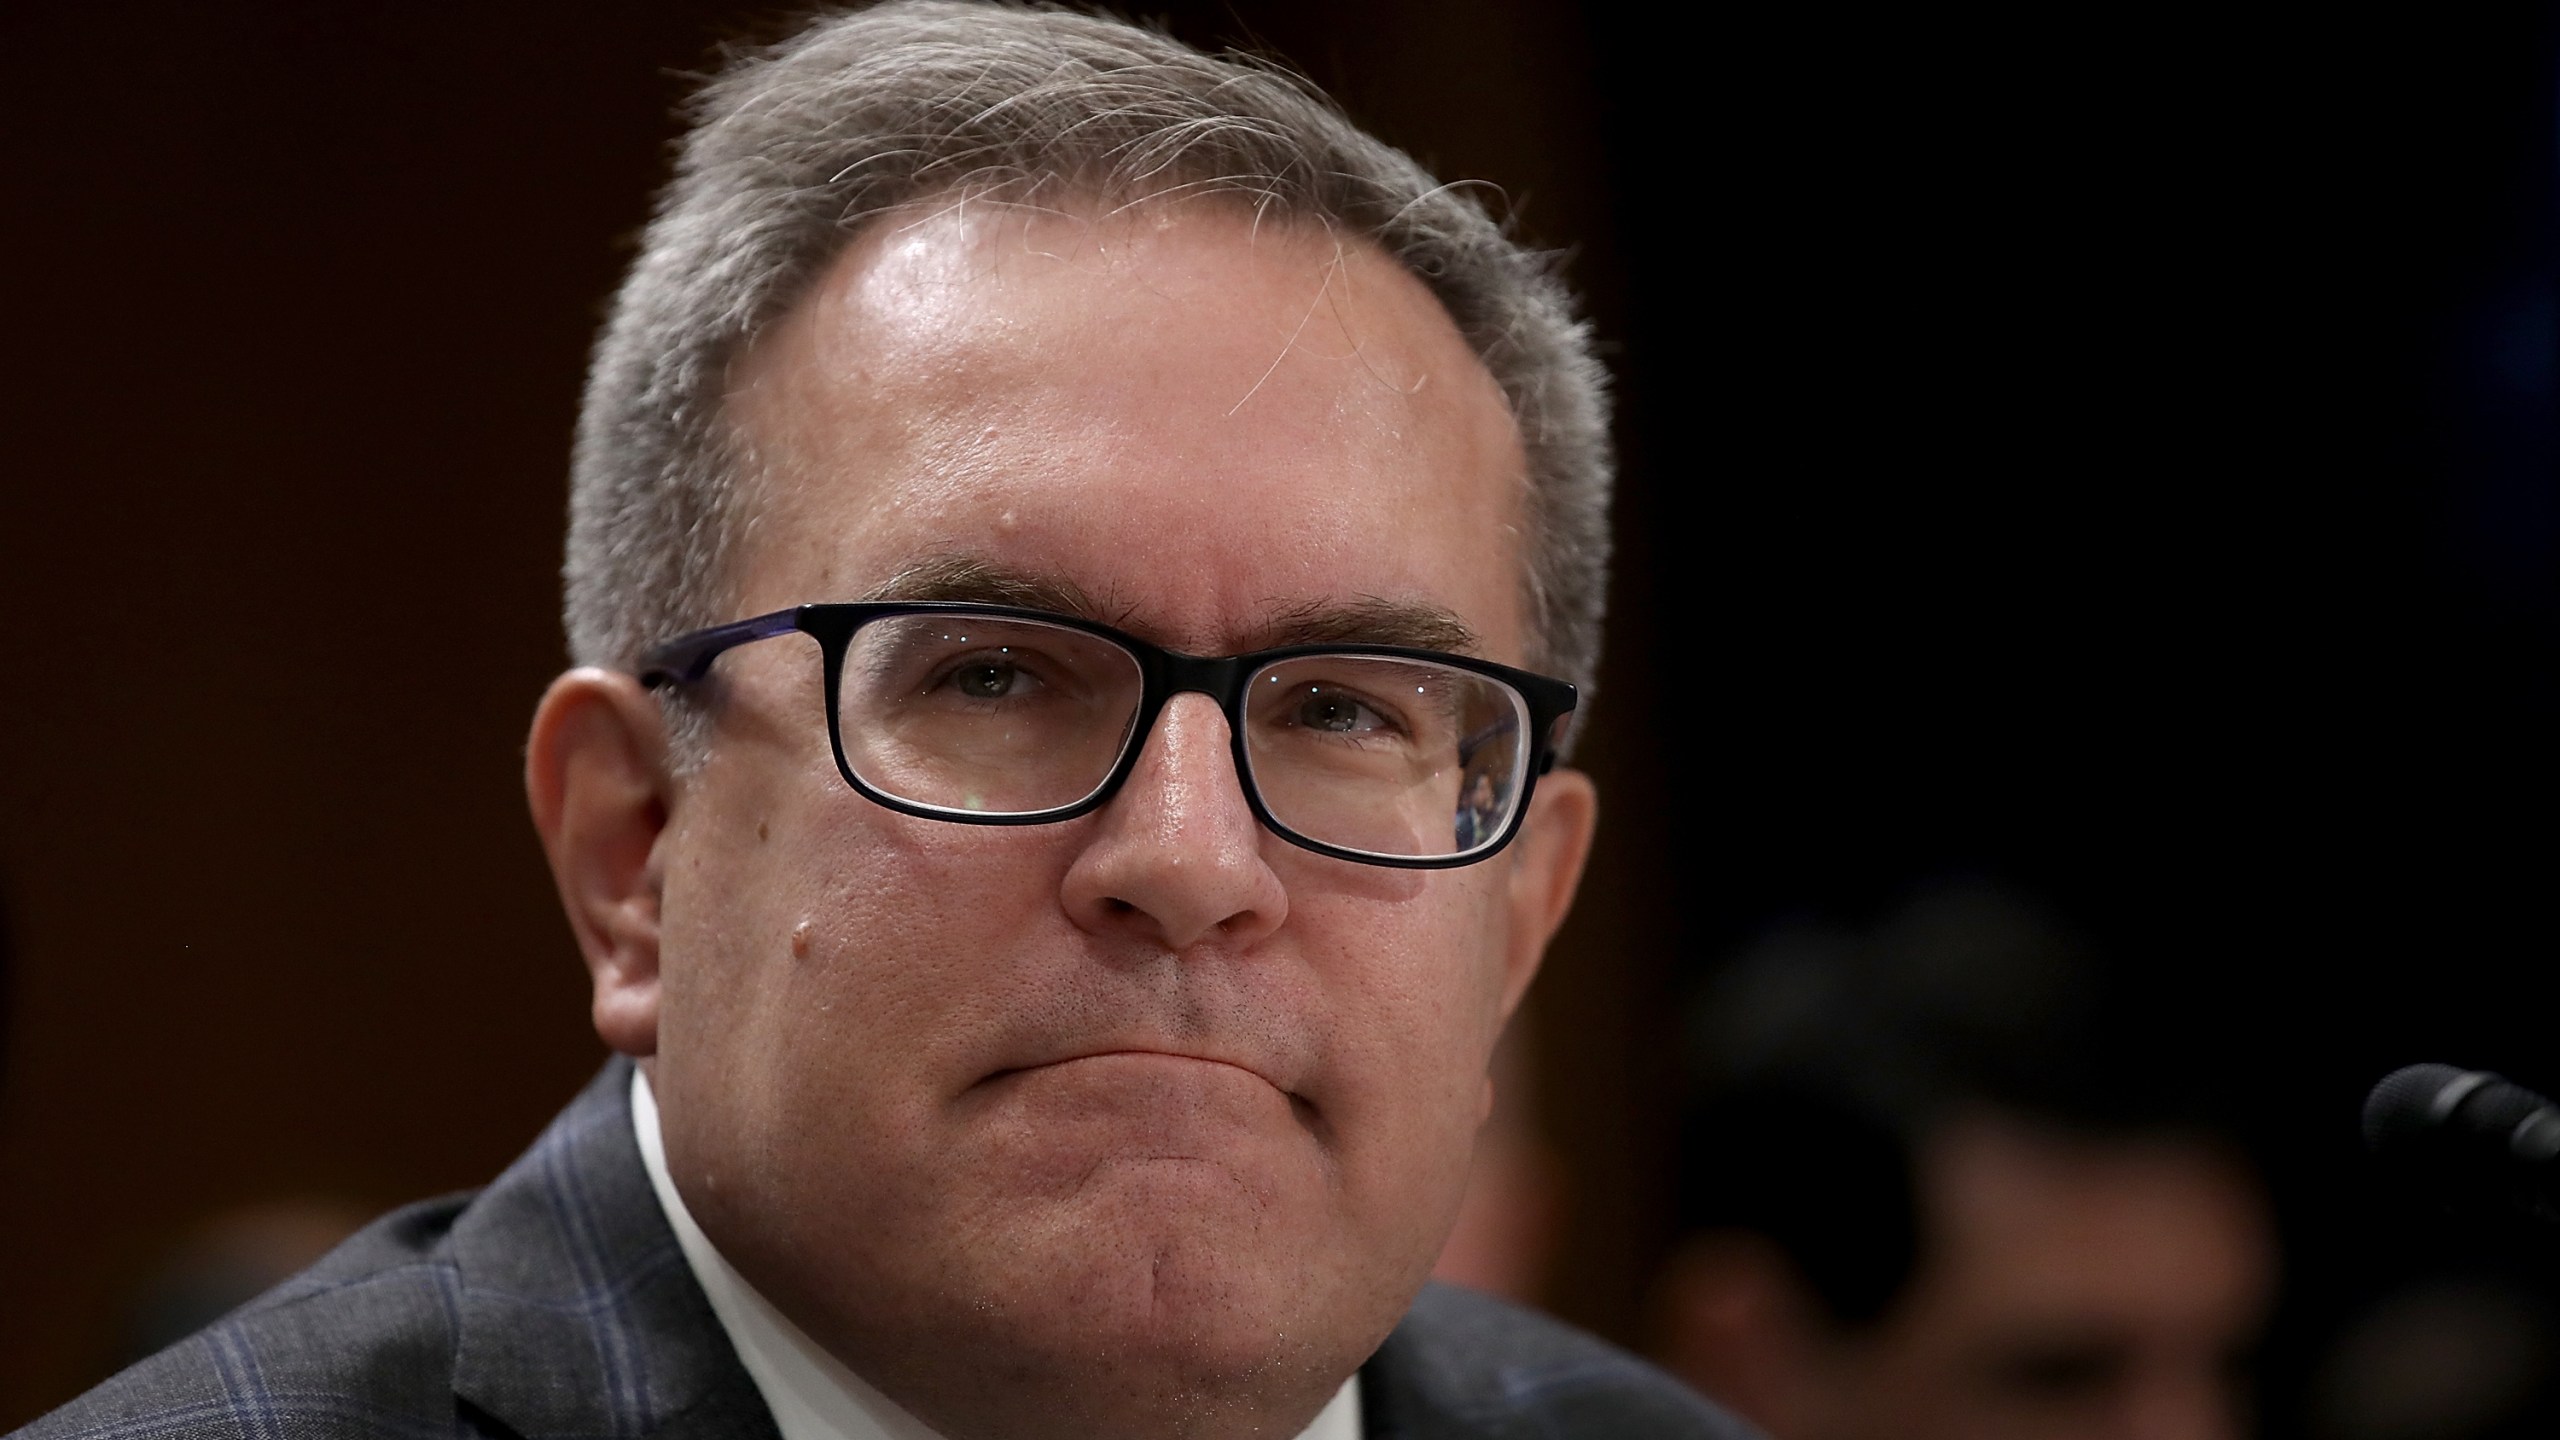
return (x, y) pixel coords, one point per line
(2110, 451)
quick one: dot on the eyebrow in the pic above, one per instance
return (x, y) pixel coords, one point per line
(1368, 620)
(960, 578)
(1363, 620)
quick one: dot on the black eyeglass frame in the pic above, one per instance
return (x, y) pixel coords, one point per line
(1163, 674)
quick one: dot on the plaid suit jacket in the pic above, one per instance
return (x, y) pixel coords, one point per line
(555, 1305)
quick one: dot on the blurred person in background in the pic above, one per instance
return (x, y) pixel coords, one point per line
(227, 1260)
(2457, 1352)
(1937, 1187)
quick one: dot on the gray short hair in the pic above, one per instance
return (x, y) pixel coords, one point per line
(794, 147)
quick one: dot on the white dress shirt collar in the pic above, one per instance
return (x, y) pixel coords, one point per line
(810, 1392)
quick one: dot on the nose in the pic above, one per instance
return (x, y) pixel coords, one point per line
(1177, 857)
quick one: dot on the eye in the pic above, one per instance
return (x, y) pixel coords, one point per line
(990, 678)
(1335, 713)
(985, 682)
(2061, 1370)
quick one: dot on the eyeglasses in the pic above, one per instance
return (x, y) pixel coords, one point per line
(992, 715)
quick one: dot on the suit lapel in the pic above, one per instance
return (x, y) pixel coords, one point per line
(579, 1319)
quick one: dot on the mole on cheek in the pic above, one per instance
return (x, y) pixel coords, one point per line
(800, 941)
(759, 832)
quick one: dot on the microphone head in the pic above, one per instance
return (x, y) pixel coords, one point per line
(2478, 1143)
(2403, 1106)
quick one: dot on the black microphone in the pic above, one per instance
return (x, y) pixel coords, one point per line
(2474, 1138)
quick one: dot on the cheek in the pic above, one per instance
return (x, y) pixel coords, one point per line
(1415, 988)
(926, 935)
(821, 950)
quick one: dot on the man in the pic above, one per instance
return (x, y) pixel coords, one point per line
(1943, 1188)
(1034, 1029)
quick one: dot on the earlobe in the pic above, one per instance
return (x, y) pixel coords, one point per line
(1546, 869)
(596, 776)
(1732, 1317)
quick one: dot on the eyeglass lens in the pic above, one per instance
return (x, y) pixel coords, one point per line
(987, 716)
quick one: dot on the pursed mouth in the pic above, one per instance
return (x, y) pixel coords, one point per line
(1134, 1053)
(1302, 1108)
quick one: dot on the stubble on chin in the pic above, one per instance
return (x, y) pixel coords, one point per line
(1160, 1300)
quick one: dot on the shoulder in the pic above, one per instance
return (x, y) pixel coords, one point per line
(362, 1344)
(554, 1302)
(1462, 1364)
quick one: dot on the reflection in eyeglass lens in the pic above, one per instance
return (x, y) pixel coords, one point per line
(1383, 754)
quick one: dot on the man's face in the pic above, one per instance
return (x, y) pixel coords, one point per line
(2073, 1290)
(1149, 1100)
(2069, 1288)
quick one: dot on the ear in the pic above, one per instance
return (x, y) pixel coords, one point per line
(595, 772)
(1732, 1317)
(1546, 867)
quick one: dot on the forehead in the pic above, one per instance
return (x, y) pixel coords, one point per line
(1195, 418)
(2164, 1231)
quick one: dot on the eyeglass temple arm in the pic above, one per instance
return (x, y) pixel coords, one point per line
(685, 659)
(1559, 702)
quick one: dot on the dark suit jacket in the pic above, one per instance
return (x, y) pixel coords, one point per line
(556, 1304)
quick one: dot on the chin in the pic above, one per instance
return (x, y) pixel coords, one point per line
(1176, 1259)
(1158, 1305)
